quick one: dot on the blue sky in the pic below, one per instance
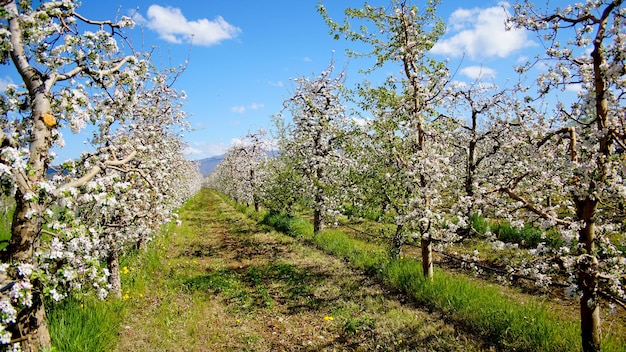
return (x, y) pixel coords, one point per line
(242, 55)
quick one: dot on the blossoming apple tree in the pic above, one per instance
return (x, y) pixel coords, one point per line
(581, 146)
(406, 109)
(124, 205)
(313, 142)
(483, 116)
(72, 77)
(241, 173)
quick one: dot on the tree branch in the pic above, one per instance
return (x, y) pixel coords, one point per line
(77, 70)
(96, 170)
(531, 207)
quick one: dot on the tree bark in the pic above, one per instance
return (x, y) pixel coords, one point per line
(113, 263)
(397, 242)
(589, 307)
(31, 328)
(142, 243)
(318, 220)
(427, 258)
(318, 213)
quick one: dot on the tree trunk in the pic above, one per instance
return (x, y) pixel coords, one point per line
(427, 258)
(587, 277)
(318, 214)
(142, 243)
(589, 307)
(397, 242)
(31, 327)
(318, 222)
(113, 262)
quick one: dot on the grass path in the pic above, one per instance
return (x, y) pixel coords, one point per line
(221, 282)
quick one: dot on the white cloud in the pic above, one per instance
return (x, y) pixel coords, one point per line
(172, 26)
(4, 82)
(574, 87)
(238, 109)
(193, 151)
(239, 141)
(478, 72)
(481, 33)
(308, 59)
(201, 150)
(276, 84)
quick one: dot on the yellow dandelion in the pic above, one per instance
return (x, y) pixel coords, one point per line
(328, 318)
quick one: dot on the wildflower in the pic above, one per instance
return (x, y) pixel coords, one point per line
(125, 270)
(328, 318)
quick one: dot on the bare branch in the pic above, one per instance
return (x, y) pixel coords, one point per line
(97, 23)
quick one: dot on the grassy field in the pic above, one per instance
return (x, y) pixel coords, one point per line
(226, 280)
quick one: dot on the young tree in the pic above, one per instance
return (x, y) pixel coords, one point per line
(585, 142)
(66, 70)
(282, 188)
(241, 175)
(403, 34)
(313, 141)
(482, 115)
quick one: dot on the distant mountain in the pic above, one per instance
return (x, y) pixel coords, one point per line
(207, 165)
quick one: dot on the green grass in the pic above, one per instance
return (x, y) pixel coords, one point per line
(89, 324)
(483, 309)
(292, 226)
(526, 237)
(84, 325)
(480, 308)
(7, 208)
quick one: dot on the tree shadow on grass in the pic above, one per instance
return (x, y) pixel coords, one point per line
(251, 287)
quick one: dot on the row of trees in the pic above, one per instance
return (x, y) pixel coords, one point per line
(69, 228)
(432, 152)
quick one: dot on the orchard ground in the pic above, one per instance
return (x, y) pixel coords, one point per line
(226, 283)
(222, 282)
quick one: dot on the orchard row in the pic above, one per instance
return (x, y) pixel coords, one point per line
(430, 153)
